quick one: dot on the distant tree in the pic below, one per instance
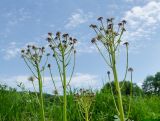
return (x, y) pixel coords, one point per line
(151, 84)
(156, 83)
(125, 90)
(147, 85)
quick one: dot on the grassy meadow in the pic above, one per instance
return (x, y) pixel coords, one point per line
(23, 106)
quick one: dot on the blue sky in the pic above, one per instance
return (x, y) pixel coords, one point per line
(23, 22)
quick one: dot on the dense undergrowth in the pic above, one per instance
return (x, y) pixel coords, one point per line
(22, 106)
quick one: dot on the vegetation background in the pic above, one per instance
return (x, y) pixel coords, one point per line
(22, 106)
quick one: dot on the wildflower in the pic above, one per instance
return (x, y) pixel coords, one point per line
(22, 51)
(126, 43)
(100, 18)
(64, 41)
(58, 34)
(124, 21)
(43, 48)
(54, 55)
(34, 47)
(31, 78)
(28, 46)
(108, 72)
(81, 90)
(74, 40)
(93, 26)
(99, 37)
(49, 65)
(110, 20)
(49, 33)
(55, 38)
(93, 40)
(120, 24)
(130, 69)
(70, 43)
(65, 35)
(49, 39)
(110, 26)
(50, 45)
(28, 50)
(70, 38)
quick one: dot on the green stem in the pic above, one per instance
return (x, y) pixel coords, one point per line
(114, 69)
(41, 92)
(35, 93)
(113, 95)
(64, 88)
(131, 93)
(86, 115)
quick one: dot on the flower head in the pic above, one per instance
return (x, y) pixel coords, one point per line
(124, 21)
(93, 26)
(58, 34)
(126, 43)
(31, 78)
(100, 18)
(65, 35)
(49, 33)
(93, 40)
(49, 65)
(130, 69)
(108, 72)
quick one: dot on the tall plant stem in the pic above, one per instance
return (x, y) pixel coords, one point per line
(86, 115)
(114, 69)
(131, 93)
(41, 92)
(64, 88)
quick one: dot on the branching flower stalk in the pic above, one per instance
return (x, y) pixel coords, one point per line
(32, 56)
(85, 98)
(111, 40)
(63, 47)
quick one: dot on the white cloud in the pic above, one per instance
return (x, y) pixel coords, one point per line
(79, 80)
(147, 15)
(77, 18)
(11, 51)
(17, 15)
(142, 23)
(83, 47)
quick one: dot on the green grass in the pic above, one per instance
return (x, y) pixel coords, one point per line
(23, 106)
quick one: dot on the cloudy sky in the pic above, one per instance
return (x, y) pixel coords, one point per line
(29, 21)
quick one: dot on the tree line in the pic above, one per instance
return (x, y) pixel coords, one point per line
(150, 86)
